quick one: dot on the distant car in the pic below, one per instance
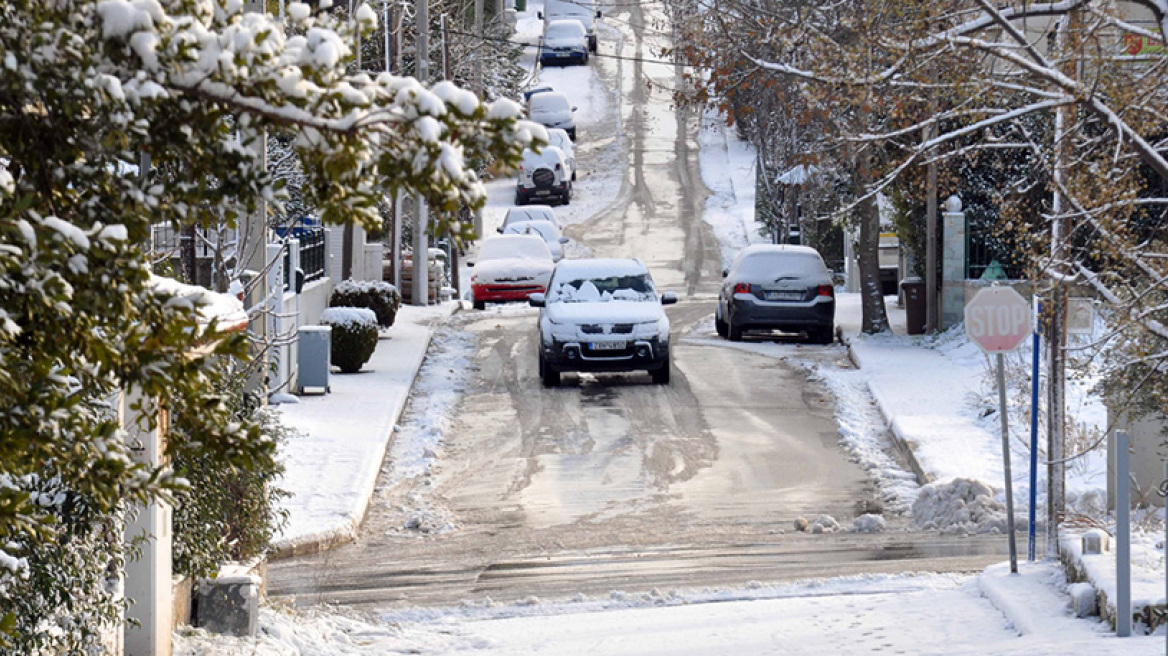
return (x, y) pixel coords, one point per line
(552, 109)
(777, 287)
(546, 229)
(564, 42)
(560, 139)
(602, 315)
(510, 268)
(543, 176)
(529, 213)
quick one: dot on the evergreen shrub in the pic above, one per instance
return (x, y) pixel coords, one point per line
(354, 336)
(381, 297)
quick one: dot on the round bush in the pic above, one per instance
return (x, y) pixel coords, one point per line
(354, 336)
(381, 297)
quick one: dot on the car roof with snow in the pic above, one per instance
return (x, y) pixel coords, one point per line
(778, 248)
(527, 247)
(565, 27)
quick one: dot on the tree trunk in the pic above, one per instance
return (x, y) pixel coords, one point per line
(874, 318)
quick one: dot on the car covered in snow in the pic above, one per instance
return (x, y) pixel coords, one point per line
(602, 315)
(560, 139)
(564, 41)
(552, 109)
(529, 213)
(546, 229)
(510, 268)
(543, 176)
(777, 287)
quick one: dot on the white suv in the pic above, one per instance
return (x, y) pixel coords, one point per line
(543, 176)
(602, 315)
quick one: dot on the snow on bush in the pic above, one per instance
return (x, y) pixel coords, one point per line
(381, 297)
(961, 505)
(868, 524)
(354, 336)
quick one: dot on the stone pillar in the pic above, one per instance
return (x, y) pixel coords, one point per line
(953, 264)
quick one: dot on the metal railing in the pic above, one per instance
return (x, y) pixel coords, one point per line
(312, 253)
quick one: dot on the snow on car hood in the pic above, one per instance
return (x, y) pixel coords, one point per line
(566, 41)
(515, 269)
(614, 311)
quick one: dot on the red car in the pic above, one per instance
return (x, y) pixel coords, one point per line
(510, 268)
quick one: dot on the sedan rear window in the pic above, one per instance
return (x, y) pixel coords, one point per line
(762, 265)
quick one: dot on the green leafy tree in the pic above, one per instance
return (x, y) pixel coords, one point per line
(86, 90)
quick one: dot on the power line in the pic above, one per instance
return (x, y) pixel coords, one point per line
(643, 60)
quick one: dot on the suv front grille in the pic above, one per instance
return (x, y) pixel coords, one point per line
(592, 329)
(622, 329)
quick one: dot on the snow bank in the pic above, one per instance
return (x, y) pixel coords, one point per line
(959, 506)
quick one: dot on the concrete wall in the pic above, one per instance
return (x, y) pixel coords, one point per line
(1147, 457)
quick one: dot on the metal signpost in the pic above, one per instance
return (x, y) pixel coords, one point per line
(997, 320)
(1123, 601)
(1034, 428)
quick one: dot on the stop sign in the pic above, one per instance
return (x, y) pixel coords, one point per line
(997, 319)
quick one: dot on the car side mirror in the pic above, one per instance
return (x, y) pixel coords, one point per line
(564, 240)
(539, 15)
(574, 109)
(725, 272)
(470, 264)
(499, 230)
(668, 298)
(598, 14)
(536, 300)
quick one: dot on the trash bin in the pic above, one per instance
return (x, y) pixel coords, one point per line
(914, 305)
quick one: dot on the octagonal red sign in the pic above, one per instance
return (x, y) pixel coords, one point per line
(997, 319)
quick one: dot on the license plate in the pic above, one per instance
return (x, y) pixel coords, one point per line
(542, 192)
(563, 54)
(608, 346)
(783, 296)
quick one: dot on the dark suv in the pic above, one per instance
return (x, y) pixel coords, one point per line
(777, 287)
(602, 315)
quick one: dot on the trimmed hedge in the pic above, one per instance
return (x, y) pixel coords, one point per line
(354, 336)
(381, 297)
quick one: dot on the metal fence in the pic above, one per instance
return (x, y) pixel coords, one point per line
(312, 253)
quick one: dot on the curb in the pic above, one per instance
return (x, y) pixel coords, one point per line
(903, 445)
(350, 530)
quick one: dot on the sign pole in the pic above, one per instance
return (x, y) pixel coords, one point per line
(1006, 463)
(1030, 547)
(1123, 603)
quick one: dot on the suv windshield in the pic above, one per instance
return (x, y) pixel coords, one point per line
(636, 287)
(549, 103)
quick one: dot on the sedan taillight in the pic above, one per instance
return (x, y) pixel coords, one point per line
(742, 288)
(827, 290)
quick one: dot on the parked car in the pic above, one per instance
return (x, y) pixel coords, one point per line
(602, 315)
(563, 42)
(552, 109)
(509, 268)
(560, 139)
(546, 229)
(777, 287)
(529, 213)
(580, 10)
(543, 175)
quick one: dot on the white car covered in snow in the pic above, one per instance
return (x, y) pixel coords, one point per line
(552, 109)
(529, 213)
(560, 139)
(602, 315)
(546, 229)
(510, 268)
(543, 176)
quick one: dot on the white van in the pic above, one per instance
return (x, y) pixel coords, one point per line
(581, 10)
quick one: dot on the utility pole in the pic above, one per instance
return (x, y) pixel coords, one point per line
(932, 304)
(478, 50)
(347, 231)
(454, 269)
(398, 208)
(419, 292)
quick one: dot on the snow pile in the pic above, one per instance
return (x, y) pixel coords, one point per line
(961, 505)
(420, 516)
(824, 524)
(868, 524)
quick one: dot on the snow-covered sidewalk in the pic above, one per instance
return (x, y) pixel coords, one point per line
(332, 467)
